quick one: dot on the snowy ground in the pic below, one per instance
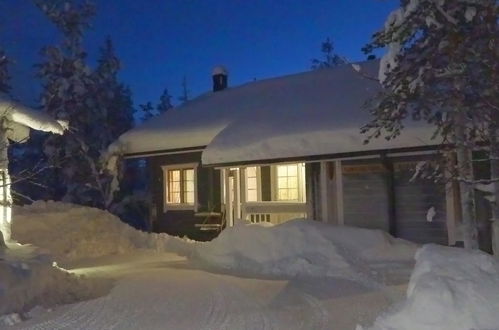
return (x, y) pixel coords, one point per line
(299, 275)
(164, 291)
(251, 277)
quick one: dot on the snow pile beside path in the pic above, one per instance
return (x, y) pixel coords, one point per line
(450, 289)
(302, 248)
(25, 284)
(71, 232)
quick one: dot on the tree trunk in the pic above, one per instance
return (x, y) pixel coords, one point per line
(5, 198)
(465, 175)
(494, 177)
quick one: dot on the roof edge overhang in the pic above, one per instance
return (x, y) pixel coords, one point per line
(153, 153)
(343, 155)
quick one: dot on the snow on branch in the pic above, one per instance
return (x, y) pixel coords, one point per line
(25, 116)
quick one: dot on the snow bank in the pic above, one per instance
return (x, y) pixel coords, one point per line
(25, 284)
(303, 248)
(450, 289)
(70, 232)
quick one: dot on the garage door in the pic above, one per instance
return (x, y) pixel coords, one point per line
(413, 200)
(365, 196)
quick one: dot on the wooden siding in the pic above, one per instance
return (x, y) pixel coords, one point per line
(312, 175)
(182, 222)
(266, 182)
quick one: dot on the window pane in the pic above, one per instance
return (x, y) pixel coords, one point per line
(189, 175)
(174, 186)
(251, 196)
(283, 194)
(189, 197)
(282, 183)
(189, 186)
(251, 172)
(292, 182)
(282, 170)
(251, 183)
(174, 175)
(292, 170)
(293, 194)
(175, 198)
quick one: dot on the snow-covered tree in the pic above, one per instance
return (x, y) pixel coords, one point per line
(329, 58)
(147, 110)
(441, 67)
(98, 107)
(184, 97)
(4, 88)
(4, 73)
(114, 97)
(165, 102)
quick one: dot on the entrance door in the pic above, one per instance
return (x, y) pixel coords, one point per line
(232, 196)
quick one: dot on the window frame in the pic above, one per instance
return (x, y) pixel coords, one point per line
(258, 185)
(179, 206)
(300, 184)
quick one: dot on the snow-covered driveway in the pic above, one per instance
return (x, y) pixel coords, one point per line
(162, 291)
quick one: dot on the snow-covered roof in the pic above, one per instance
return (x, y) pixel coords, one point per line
(313, 113)
(22, 118)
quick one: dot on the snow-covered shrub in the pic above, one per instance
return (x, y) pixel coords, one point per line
(450, 289)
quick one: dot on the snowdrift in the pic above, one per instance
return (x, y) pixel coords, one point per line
(25, 284)
(303, 248)
(71, 232)
(450, 289)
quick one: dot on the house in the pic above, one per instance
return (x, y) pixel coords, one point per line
(16, 121)
(288, 147)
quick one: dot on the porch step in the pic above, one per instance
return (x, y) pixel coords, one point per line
(208, 226)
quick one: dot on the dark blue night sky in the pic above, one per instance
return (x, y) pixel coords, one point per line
(160, 41)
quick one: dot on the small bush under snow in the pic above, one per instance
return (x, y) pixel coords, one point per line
(450, 289)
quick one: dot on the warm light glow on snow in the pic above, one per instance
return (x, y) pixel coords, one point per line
(5, 205)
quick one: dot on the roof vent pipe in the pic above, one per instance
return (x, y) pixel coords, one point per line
(220, 78)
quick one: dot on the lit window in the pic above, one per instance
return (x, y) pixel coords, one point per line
(180, 186)
(287, 182)
(251, 184)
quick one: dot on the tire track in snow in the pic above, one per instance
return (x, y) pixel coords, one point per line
(233, 308)
(319, 319)
(171, 298)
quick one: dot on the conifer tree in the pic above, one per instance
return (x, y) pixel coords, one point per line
(441, 68)
(4, 73)
(147, 111)
(184, 97)
(74, 92)
(114, 97)
(165, 102)
(329, 58)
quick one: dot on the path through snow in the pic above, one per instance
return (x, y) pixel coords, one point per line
(162, 291)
